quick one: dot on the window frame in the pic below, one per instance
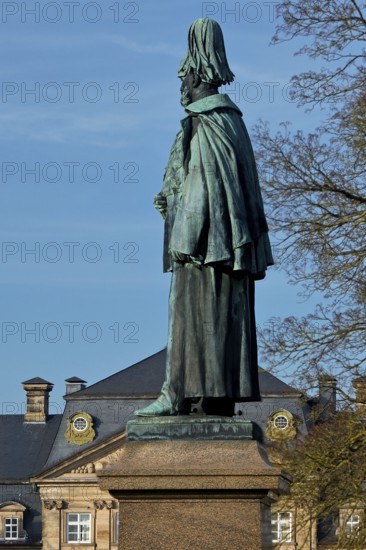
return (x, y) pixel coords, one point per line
(280, 425)
(13, 520)
(278, 536)
(78, 523)
(76, 424)
(351, 527)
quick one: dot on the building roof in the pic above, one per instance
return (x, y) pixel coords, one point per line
(271, 385)
(24, 447)
(145, 378)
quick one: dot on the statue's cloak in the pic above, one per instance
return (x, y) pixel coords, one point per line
(215, 209)
(214, 216)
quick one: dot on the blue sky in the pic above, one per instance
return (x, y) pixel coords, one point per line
(82, 157)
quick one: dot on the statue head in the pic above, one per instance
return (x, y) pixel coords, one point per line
(206, 56)
(193, 88)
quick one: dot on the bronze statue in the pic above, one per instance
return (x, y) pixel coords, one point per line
(216, 241)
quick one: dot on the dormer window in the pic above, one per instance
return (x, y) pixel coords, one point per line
(281, 426)
(11, 522)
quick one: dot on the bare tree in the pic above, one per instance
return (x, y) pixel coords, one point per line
(315, 189)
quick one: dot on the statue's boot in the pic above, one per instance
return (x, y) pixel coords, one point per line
(164, 405)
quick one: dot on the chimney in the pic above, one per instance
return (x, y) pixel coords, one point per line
(74, 384)
(37, 400)
(327, 395)
(360, 388)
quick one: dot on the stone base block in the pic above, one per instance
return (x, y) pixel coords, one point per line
(190, 428)
(202, 494)
(201, 523)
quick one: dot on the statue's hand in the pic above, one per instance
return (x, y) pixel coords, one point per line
(179, 257)
(197, 261)
(160, 204)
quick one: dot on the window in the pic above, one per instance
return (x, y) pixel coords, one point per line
(11, 531)
(78, 527)
(80, 424)
(352, 525)
(281, 527)
(281, 422)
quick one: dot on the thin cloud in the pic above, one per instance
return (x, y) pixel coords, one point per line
(96, 129)
(152, 48)
(80, 228)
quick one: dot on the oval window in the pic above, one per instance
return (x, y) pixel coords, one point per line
(80, 424)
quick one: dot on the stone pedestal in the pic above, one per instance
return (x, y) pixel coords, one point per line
(204, 494)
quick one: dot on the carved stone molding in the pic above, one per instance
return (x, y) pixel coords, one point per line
(80, 428)
(84, 469)
(51, 504)
(100, 504)
(281, 426)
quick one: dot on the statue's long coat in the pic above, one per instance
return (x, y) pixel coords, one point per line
(215, 215)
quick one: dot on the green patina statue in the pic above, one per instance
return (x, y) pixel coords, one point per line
(216, 241)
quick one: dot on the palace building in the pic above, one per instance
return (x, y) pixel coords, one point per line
(49, 493)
